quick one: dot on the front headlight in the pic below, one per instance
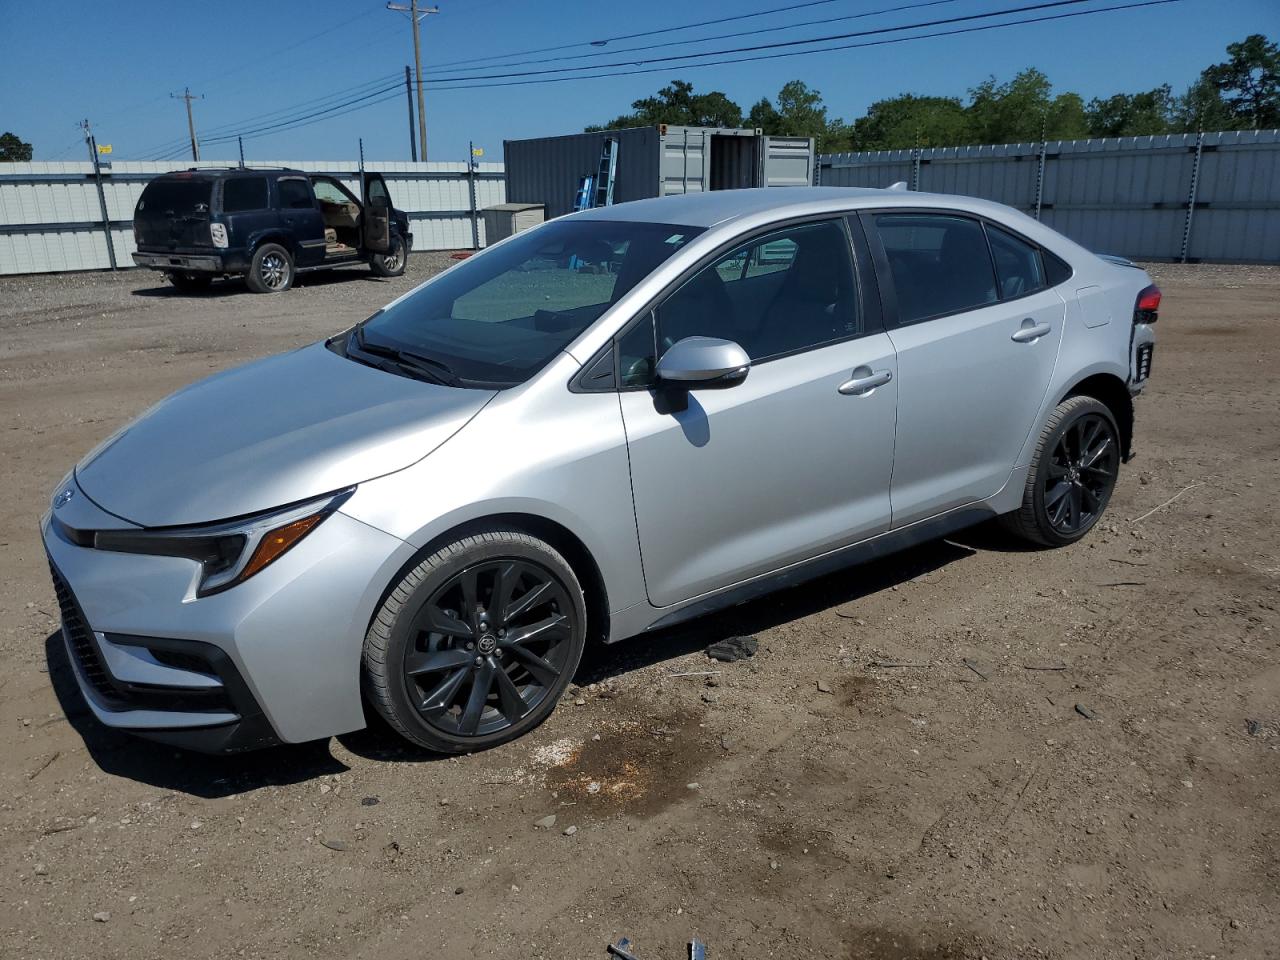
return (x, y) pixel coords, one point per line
(229, 552)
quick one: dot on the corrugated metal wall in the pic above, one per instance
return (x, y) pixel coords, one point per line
(50, 218)
(1214, 197)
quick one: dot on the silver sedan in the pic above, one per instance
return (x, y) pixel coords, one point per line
(616, 421)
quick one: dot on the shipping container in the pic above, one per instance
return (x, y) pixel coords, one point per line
(654, 162)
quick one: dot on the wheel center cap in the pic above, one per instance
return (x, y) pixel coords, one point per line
(487, 643)
(1073, 474)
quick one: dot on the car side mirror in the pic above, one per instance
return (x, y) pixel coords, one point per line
(703, 363)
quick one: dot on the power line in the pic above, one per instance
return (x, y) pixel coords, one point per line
(778, 43)
(168, 146)
(802, 53)
(718, 36)
(358, 103)
(645, 33)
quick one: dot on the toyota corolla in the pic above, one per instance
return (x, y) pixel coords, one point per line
(613, 422)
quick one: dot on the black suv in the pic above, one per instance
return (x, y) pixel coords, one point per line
(266, 225)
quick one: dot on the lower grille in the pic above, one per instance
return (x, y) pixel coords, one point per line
(80, 638)
(1144, 360)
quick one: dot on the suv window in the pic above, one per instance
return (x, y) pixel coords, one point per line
(295, 194)
(1018, 265)
(244, 193)
(940, 263)
(786, 291)
(329, 192)
(176, 195)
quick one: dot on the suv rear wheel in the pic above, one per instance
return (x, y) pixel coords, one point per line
(475, 645)
(1073, 474)
(390, 264)
(271, 270)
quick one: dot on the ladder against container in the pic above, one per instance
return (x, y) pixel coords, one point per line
(607, 172)
(586, 190)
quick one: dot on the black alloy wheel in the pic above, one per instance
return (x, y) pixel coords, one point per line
(488, 646)
(1073, 474)
(474, 646)
(1080, 474)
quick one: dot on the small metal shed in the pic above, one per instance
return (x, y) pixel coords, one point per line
(505, 219)
(655, 162)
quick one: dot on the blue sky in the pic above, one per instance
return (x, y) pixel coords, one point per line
(116, 64)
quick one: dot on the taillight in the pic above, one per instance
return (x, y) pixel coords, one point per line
(1147, 309)
(218, 234)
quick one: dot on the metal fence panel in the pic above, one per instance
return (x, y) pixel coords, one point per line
(1214, 197)
(50, 219)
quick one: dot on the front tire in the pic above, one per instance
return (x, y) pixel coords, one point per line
(1073, 474)
(271, 270)
(390, 264)
(474, 646)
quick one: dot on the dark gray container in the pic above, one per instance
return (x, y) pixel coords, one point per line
(654, 162)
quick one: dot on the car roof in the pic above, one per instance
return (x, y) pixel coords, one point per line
(714, 207)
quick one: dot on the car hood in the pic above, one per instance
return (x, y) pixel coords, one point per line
(270, 433)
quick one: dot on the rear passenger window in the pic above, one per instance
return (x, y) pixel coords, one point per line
(244, 193)
(787, 291)
(1018, 266)
(295, 194)
(940, 263)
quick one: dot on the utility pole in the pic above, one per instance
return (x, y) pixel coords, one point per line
(408, 95)
(417, 13)
(188, 96)
(102, 197)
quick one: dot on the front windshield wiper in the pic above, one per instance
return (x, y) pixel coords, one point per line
(408, 361)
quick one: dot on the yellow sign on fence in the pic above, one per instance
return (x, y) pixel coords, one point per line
(104, 148)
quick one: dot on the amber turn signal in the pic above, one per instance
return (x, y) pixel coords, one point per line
(276, 542)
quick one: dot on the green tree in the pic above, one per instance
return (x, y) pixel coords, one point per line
(678, 105)
(14, 149)
(798, 111)
(908, 121)
(1132, 114)
(1023, 110)
(1202, 107)
(1249, 81)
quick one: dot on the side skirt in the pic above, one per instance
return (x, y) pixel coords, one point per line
(858, 553)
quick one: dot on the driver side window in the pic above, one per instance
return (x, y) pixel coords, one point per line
(787, 291)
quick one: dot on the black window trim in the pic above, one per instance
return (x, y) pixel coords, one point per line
(866, 288)
(884, 272)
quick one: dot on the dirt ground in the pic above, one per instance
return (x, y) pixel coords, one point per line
(855, 791)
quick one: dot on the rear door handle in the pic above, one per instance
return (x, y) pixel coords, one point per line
(864, 381)
(1030, 330)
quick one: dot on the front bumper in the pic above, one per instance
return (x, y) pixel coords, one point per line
(274, 659)
(180, 261)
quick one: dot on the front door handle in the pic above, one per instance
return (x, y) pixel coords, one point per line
(1030, 330)
(864, 381)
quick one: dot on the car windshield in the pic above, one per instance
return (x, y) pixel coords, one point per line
(498, 319)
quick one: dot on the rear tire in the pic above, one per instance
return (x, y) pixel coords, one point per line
(190, 282)
(271, 270)
(474, 646)
(1073, 474)
(390, 264)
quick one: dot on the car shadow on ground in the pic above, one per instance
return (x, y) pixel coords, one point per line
(208, 776)
(235, 286)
